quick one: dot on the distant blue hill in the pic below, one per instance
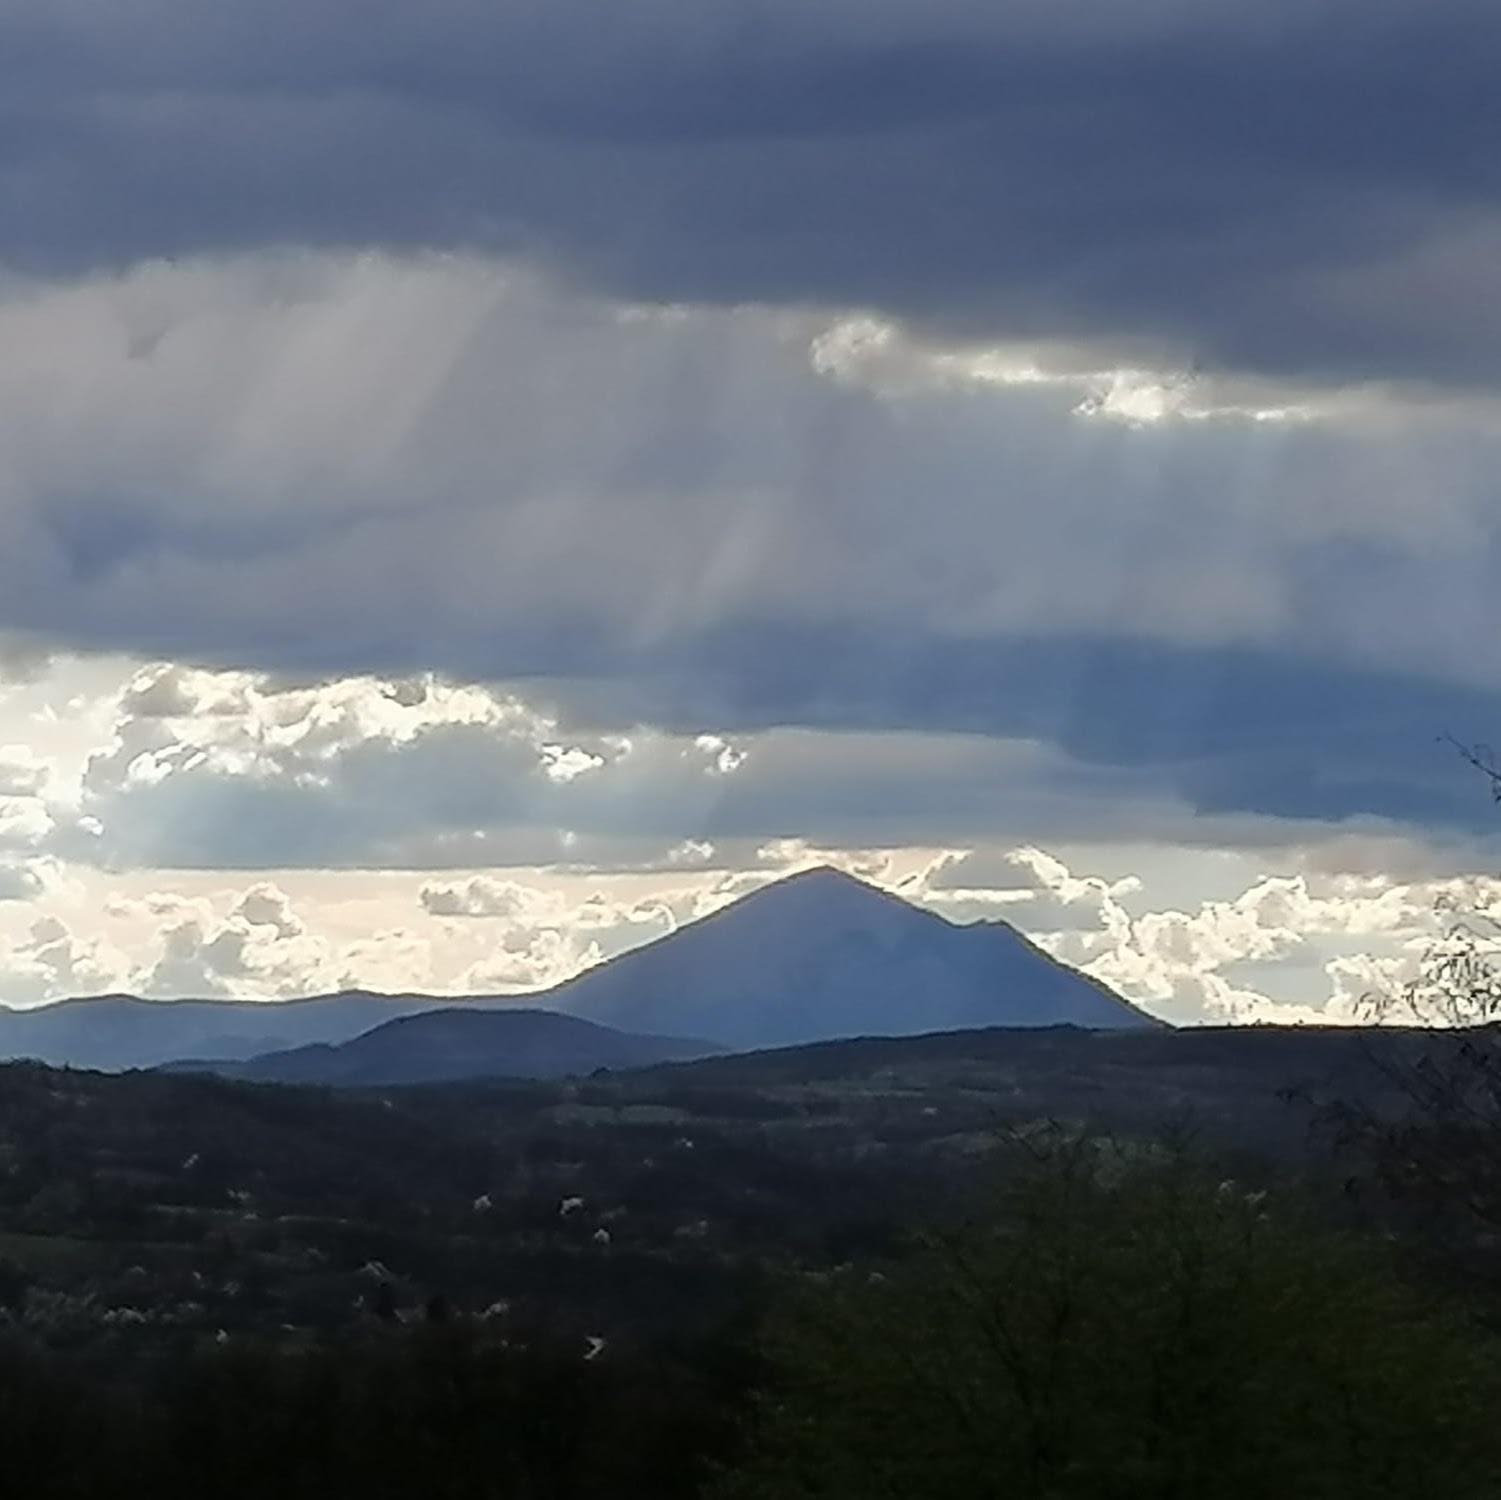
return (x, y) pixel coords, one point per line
(112, 1032)
(445, 1046)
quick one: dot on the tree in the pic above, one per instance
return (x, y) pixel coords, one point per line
(1429, 1126)
(1120, 1328)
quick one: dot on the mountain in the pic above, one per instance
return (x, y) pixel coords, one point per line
(442, 1046)
(122, 1031)
(815, 956)
(821, 955)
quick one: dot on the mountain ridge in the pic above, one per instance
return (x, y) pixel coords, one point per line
(812, 956)
(119, 1031)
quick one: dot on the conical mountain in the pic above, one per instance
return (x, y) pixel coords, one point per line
(821, 954)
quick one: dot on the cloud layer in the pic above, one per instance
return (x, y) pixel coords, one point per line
(1303, 187)
(733, 521)
(1301, 948)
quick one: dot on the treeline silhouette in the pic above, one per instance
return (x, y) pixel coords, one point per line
(445, 1409)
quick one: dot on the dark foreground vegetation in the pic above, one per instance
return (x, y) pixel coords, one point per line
(442, 1409)
(1047, 1265)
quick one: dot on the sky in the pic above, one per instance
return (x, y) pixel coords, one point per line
(482, 484)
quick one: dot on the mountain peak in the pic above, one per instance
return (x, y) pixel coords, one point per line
(809, 909)
(822, 875)
(814, 883)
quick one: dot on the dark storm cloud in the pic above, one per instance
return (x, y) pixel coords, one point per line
(332, 465)
(1227, 730)
(1293, 187)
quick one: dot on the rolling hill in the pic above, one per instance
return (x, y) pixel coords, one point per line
(112, 1032)
(455, 1043)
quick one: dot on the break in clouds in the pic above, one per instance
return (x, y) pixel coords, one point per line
(481, 485)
